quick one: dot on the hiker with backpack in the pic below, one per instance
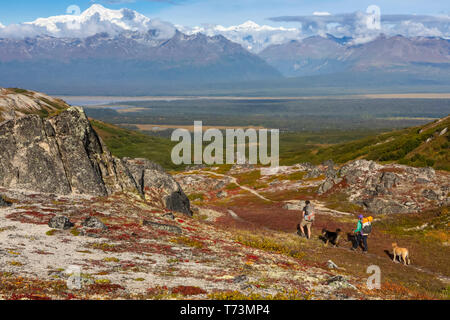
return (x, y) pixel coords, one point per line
(362, 231)
(308, 216)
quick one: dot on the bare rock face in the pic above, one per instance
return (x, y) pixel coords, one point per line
(64, 155)
(60, 155)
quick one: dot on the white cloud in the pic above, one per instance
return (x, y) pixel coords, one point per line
(321, 13)
(355, 25)
(250, 35)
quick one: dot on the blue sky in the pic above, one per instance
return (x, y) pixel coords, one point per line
(225, 12)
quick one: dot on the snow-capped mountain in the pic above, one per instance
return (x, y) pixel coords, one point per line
(250, 35)
(96, 19)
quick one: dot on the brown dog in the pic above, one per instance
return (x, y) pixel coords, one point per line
(403, 253)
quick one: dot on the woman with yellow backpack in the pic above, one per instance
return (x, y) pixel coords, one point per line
(362, 231)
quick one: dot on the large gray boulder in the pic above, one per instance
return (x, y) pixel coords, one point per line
(59, 155)
(64, 155)
(157, 185)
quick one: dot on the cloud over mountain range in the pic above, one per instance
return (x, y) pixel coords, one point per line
(358, 25)
(251, 36)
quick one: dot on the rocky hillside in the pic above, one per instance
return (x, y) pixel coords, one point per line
(62, 154)
(19, 102)
(423, 146)
(127, 63)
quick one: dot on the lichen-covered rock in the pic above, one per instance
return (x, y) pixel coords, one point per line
(60, 222)
(331, 173)
(326, 186)
(30, 158)
(3, 202)
(354, 170)
(59, 155)
(383, 206)
(388, 179)
(157, 185)
(94, 223)
(313, 173)
(430, 194)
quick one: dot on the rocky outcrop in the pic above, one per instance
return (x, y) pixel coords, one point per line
(64, 155)
(388, 189)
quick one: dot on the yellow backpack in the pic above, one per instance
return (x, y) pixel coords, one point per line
(367, 225)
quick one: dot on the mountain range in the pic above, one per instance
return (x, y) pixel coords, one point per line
(324, 55)
(122, 51)
(128, 61)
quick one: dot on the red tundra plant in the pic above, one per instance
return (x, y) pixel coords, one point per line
(188, 290)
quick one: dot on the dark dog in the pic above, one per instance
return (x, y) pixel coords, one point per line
(332, 237)
(351, 237)
(299, 230)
